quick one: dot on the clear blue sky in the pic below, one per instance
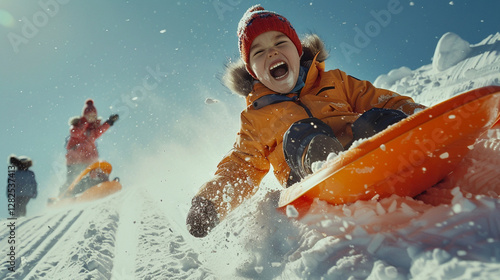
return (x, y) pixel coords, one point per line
(155, 62)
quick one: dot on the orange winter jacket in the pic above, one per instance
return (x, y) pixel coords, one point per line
(333, 97)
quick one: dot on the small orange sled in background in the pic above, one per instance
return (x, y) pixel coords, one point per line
(93, 183)
(406, 158)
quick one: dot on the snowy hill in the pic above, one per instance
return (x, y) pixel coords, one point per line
(136, 235)
(456, 67)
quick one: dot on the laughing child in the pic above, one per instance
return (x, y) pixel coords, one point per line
(297, 113)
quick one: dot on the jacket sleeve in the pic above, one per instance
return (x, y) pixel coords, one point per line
(96, 133)
(239, 173)
(34, 185)
(363, 96)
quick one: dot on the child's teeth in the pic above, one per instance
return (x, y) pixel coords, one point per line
(276, 65)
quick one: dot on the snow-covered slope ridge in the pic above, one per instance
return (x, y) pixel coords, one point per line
(456, 67)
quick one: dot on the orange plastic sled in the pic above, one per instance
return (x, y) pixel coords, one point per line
(95, 192)
(406, 158)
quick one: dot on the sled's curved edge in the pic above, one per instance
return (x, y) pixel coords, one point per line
(294, 192)
(98, 191)
(103, 165)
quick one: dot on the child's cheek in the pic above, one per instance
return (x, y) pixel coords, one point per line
(258, 69)
(290, 80)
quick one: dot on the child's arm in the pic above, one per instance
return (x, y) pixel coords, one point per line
(33, 184)
(237, 178)
(363, 96)
(105, 126)
(96, 133)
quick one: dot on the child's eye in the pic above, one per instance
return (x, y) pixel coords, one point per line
(279, 43)
(257, 53)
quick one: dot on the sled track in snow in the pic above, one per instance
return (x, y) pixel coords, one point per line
(67, 243)
(126, 236)
(157, 251)
(52, 240)
(39, 246)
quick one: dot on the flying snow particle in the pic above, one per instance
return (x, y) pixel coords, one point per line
(444, 156)
(163, 31)
(457, 208)
(461, 253)
(451, 3)
(291, 211)
(365, 170)
(211, 101)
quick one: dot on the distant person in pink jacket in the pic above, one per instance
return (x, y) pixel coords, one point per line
(81, 150)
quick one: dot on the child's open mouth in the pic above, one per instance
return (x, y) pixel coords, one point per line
(278, 70)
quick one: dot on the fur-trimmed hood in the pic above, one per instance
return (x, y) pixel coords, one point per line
(240, 82)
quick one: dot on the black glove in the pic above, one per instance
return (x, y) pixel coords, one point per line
(375, 120)
(202, 217)
(112, 119)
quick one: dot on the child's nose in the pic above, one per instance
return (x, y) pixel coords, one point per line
(272, 52)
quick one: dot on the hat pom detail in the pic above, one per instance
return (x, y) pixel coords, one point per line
(255, 8)
(89, 107)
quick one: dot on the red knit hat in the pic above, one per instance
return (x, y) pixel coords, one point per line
(256, 21)
(89, 107)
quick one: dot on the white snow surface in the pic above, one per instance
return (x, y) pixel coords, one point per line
(450, 50)
(139, 233)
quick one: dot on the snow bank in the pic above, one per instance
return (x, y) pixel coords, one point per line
(460, 68)
(386, 81)
(394, 238)
(450, 50)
